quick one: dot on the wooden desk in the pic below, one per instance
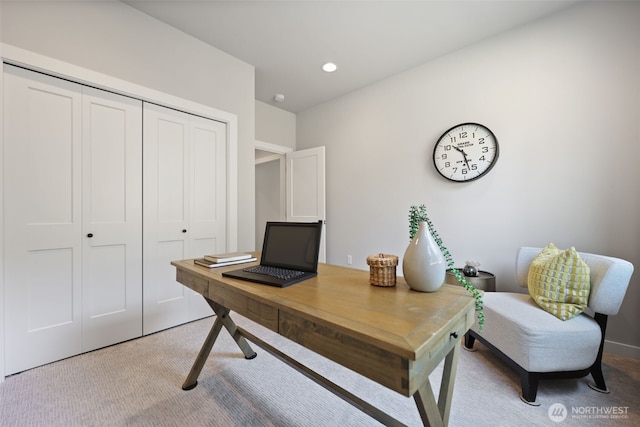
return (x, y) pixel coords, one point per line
(392, 335)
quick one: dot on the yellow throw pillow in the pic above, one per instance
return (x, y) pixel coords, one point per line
(559, 282)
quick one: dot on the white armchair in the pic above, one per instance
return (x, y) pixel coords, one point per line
(539, 345)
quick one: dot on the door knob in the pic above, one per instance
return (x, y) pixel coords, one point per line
(184, 230)
(90, 235)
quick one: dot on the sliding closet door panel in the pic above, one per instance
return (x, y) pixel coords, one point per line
(208, 202)
(42, 244)
(166, 216)
(112, 225)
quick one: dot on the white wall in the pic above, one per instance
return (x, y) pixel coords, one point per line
(114, 39)
(275, 125)
(277, 128)
(562, 96)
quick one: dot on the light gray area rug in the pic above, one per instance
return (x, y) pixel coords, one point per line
(138, 383)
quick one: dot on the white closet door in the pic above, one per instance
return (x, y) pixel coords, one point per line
(208, 207)
(112, 219)
(184, 209)
(42, 229)
(166, 215)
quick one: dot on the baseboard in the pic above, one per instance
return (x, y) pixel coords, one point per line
(622, 349)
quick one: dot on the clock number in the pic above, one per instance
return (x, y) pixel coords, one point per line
(485, 149)
(447, 148)
(447, 164)
(462, 135)
(480, 140)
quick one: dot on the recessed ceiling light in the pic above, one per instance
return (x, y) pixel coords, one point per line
(329, 67)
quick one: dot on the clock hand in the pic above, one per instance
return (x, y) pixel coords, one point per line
(466, 162)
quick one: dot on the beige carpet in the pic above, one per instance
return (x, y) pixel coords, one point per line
(137, 383)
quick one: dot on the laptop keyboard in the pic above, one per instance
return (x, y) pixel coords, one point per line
(280, 273)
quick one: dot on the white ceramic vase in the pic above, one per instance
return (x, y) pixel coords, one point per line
(423, 265)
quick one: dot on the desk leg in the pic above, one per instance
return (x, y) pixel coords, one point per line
(432, 413)
(222, 319)
(448, 378)
(223, 315)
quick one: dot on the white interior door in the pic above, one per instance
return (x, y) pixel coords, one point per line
(305, 186)
(208, 207)
(184, 209)
(112, 219)
(42, 229)
(166, 215)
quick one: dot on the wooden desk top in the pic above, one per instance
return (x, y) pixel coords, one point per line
(340, 315)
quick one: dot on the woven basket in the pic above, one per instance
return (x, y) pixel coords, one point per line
(382, 269)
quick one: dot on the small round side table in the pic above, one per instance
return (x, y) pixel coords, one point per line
(484, 281)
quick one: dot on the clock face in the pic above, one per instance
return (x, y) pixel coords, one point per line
(465, 152)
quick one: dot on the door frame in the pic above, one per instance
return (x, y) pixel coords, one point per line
(281, 154)
(278, 153)
(36, 62)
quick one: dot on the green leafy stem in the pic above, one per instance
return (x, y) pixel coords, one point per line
(418, 214)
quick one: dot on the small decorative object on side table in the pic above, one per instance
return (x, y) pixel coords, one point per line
(471, 269)
(483, 280)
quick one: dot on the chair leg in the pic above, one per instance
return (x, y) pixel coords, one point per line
(596, 368)
(469, 340)
(598, 378)
(529, 383)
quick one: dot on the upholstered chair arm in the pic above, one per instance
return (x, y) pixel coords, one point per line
(609, 281)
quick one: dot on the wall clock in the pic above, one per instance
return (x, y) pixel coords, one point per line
(465, 152)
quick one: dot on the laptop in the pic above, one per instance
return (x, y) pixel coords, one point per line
(289, 255)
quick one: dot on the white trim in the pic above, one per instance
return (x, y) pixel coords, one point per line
(267, 159)
(1, 227)
(273, 148)
(278, 154)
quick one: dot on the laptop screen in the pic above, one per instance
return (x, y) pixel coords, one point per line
(293, 245)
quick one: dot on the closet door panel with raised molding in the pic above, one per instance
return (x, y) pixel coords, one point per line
(184, 209)
(166, 215)
(43, 219)
(72, 174)
(112, 219)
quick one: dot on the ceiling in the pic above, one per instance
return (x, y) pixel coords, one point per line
(288, 41)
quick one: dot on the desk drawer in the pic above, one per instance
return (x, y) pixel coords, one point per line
(427, 362)
(363, 357)
(251, 308)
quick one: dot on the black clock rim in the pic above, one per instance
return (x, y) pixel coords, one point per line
(493, 163)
